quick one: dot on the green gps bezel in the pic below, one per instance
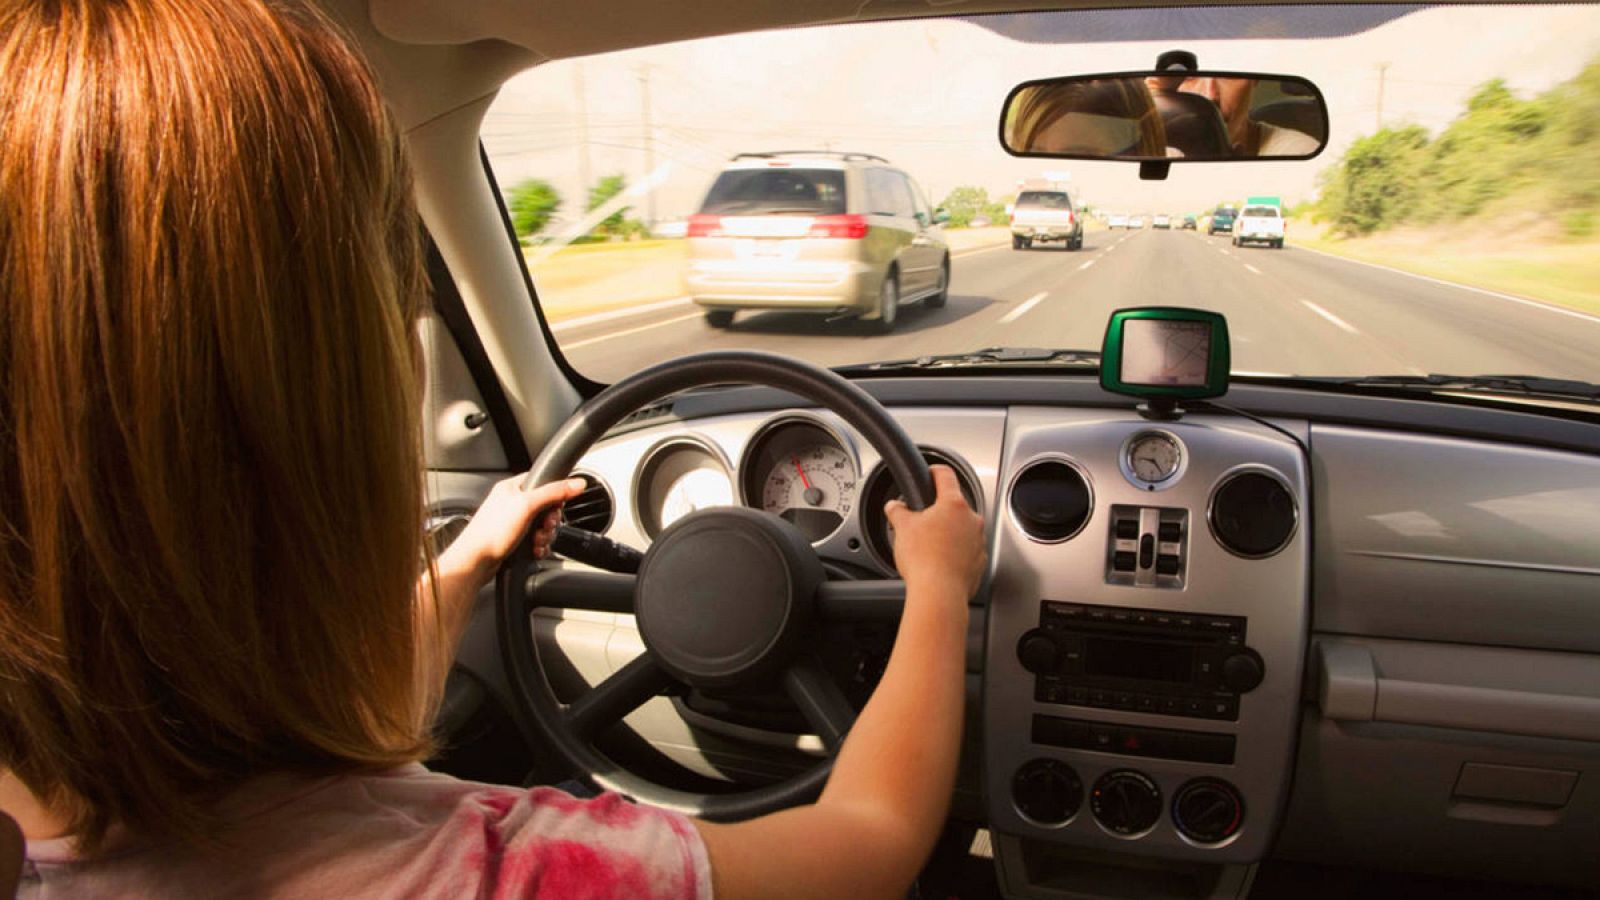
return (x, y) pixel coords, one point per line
(1216, 367)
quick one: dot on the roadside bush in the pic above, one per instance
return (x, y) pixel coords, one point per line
(1502, 154)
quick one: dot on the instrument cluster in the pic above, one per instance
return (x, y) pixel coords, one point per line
(797, 466)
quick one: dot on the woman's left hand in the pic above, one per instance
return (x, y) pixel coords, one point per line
(502, 520)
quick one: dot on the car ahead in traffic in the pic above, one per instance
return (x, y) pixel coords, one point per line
(1259, 225)
(833, 233)
(1045, 216)
(1117, 220)
(1161, 220)
(1136, 222)
(1222, 220)
(1189, 223)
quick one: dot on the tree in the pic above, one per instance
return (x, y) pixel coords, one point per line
(600, 194)
(964, 203)
(532, 204)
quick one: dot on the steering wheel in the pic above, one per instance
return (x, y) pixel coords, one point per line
(723, 597)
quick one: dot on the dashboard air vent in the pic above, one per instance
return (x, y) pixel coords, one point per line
(591, 510)
(1050, 500)
(1253, 514)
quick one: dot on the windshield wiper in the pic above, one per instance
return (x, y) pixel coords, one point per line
(1504, 384)
(989, 356)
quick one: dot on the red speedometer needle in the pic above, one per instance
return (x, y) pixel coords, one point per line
(804, 481)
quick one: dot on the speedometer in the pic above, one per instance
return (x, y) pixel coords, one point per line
(814, 489)
(801, 472)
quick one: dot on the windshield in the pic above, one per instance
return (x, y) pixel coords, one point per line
(719, 194)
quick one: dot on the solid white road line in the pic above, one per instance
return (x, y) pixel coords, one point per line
(1252, 268)
(1027, 304)
(580, 321)
(1329, 316)
(1525, 301)
(616, 334)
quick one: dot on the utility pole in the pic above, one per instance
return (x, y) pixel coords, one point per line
(1382, 69)
(585, 173)
(649, 143)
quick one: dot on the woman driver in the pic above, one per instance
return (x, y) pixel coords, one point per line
(217, 667)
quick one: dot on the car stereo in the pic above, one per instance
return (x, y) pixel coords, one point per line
(1140, 660)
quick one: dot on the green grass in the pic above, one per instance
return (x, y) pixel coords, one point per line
(1564, 273)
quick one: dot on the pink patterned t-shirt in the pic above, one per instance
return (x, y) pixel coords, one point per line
(404, 833)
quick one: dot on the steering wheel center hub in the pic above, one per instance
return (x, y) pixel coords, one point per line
(724, 595)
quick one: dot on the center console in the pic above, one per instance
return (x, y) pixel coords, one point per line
(1146, 633)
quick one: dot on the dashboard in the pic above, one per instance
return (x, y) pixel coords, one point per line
(1152, 688)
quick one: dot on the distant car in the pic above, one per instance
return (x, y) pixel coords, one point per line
(1189, 223)
(979, 222)
(824, 232)
(1161, 220)
(1222, 220)
(1045, 216)
(1260, 224)
(1136, 222)
(1117, 220)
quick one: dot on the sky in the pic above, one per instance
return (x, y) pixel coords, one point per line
(926, 94)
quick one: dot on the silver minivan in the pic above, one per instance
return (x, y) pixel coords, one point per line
(841, 234)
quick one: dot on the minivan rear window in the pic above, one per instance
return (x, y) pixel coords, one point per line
(1270, 212)
(811, 192)
(1044, 199)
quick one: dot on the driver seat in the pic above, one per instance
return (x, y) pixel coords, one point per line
(11, 855)
(1194, 124)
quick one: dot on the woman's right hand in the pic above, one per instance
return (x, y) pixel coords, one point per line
(943, 544)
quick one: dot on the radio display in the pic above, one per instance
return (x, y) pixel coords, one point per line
(1149, 660)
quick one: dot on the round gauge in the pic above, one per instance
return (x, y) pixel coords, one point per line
(801, 472)
(1153, 457)
(678, 478)
(881, 488)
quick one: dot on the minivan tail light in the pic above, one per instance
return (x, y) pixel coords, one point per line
(705, 226)
(849, 227)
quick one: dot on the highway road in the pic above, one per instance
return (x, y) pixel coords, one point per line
(1290, 311)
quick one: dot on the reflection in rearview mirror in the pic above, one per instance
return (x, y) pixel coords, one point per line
(1174, 116)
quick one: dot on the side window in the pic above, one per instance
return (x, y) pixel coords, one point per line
(904, 206)
(880, 193)
(919, 201)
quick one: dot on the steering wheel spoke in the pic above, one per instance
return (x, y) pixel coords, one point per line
(820, 700)
(629, 688)
(563, 588)
(861, 601)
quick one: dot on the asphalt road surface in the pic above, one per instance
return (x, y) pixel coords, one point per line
(1290, 312)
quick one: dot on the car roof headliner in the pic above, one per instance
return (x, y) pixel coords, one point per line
(555, 30)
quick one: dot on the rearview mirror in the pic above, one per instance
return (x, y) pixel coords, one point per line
(1168, 116)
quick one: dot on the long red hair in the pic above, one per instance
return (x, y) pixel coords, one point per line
(210, 464)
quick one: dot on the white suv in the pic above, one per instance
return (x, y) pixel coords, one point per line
(831, 233)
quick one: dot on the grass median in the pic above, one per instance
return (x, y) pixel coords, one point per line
(1561, 272)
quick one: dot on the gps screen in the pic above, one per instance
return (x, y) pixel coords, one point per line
(1164, 352)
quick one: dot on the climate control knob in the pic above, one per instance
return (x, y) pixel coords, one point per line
(1242, 672)
(1047, 791)
(1207, 811)
(1039, 653)
(1126, 802)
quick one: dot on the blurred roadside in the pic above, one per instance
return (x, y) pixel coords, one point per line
(1533, 258)
(592, 278)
